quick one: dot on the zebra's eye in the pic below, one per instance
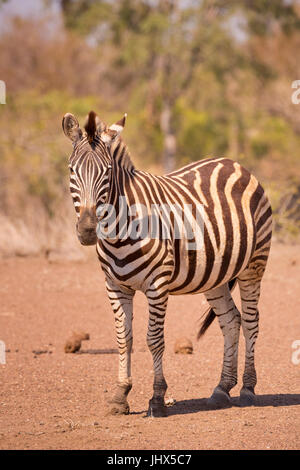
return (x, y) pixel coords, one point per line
(71, 170)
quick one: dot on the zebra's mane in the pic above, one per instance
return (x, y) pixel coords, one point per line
(121, 155)
(90, 126)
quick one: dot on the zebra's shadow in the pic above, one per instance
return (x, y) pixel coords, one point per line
(201, 404)
(97, 351)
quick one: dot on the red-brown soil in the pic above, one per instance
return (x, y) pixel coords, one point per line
(53, 400)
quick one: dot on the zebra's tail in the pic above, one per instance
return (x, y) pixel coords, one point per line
(210, 314)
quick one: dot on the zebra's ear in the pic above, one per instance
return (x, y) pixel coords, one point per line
(71, 127)
(113, 131)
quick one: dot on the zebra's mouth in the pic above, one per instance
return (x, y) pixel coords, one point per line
(88, 240)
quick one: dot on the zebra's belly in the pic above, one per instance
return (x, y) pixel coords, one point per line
(200, 270)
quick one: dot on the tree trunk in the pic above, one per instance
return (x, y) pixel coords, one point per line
(169, 150)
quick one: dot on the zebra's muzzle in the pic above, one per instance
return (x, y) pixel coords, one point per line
(86, 227)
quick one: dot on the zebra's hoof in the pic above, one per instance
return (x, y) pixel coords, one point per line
(219, 399)
(117, 408)
(156, 409)
(247, 396)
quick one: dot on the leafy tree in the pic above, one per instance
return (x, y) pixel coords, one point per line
(160, 50)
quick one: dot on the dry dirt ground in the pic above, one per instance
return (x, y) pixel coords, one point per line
(55, 400)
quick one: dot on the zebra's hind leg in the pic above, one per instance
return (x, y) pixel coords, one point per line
(249, 284)
(157, 300)
(229, 317)
(122, 303)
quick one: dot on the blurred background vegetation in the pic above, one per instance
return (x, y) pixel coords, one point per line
(197, 78)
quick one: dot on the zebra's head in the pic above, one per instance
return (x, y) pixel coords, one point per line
(89, 164)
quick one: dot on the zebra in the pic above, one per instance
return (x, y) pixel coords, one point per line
(237, 230)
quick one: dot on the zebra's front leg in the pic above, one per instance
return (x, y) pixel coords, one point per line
(157, 299)
(230, 321)
(121, 303)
